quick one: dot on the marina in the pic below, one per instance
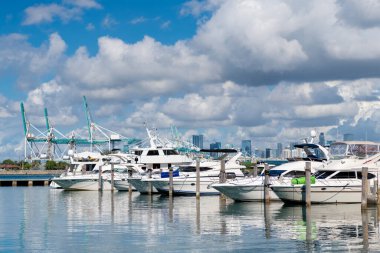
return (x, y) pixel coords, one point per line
(92, 221)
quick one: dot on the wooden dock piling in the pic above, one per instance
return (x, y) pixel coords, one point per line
(254, 173)
(170, 181)
(266, 184)
(222, 175)
(198, 182)
(100, 179)
(364, 187)
(308, 184)
(129, 185)
(112, 177)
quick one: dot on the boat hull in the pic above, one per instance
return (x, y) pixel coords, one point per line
(185, 186)
(244, 192)
(82, 184)
(320, 194)
(142, 186)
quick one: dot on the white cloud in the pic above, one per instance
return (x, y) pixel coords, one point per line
(89, 4)
(46, 13)
(108, 21)
(138, 20)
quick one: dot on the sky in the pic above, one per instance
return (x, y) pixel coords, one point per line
(269, 71)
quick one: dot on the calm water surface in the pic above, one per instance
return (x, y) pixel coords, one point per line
(39, 219)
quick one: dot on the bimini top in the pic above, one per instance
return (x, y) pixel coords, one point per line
(359, 149)
(223, 150)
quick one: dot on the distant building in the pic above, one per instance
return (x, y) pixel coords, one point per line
(279, 150)
(322, 140)
(348, 137)
(246, 147)
(216, 145)
(267, 153)
(198, 141)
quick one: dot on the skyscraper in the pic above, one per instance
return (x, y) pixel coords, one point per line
(198, 141)
(322, 141)
(216, 145)
(246, 147)
(279, 150)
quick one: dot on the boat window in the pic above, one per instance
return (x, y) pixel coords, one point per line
(230, 175)
(170, 152)
(138, 152)
(362, 150)
(156, 165)
(370, 175)
(89, 167)
(193, 168)
(295, 173)
(338, 149)
(275, 173)
(345, 174)
(152, 152)
(322, 174)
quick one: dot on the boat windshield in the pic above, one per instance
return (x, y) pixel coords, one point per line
(340, 150)
(322, 174)
(275, 173)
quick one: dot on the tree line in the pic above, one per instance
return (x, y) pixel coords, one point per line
(48, 165)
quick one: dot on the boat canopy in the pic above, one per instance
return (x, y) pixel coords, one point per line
(362, 149)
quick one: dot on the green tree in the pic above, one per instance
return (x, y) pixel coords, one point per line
(9, 161)
(50, 165)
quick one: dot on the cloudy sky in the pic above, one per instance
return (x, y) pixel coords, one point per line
(270, 71)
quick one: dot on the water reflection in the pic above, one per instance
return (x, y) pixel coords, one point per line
(62, 221)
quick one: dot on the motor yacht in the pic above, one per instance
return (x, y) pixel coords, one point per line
(252, 188)
(185, 182)
(339, 179)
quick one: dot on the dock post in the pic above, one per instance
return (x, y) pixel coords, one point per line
(46, 183)
(308, 184)
(377, 193)
(222, 175)
(170, 181)
(198, 182)
(112, 177)
(364, 187)
(266, 184)
(254, 174)
(30, 183)
(150, 190)
(129, 185)
(14, 183)
(100, 179)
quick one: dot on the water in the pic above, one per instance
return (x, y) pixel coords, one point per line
(39, 219)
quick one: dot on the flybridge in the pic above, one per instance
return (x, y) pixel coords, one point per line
(51, 144)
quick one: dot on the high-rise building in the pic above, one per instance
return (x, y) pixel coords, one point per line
(216, 145)
(279, 150)
(348, 137)
(322, 140)
(246, 147)
(198, 141)
(267, 153)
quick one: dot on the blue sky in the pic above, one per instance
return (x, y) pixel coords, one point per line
(269, 71)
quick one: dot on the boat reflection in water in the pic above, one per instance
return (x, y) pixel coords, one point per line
(91, 221)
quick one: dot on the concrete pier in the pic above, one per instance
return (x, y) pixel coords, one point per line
(27, 177)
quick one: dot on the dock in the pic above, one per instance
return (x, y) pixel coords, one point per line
(28, 177)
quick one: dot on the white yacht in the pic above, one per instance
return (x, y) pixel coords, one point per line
(83, 173)
(338, 180)
(252, 188)
(153, 160)
(185, 182)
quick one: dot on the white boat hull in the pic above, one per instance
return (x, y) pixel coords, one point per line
(82, 184)
(122, 185)
(320, 194)
(185, 186)
(141, 186)
(244, 192)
